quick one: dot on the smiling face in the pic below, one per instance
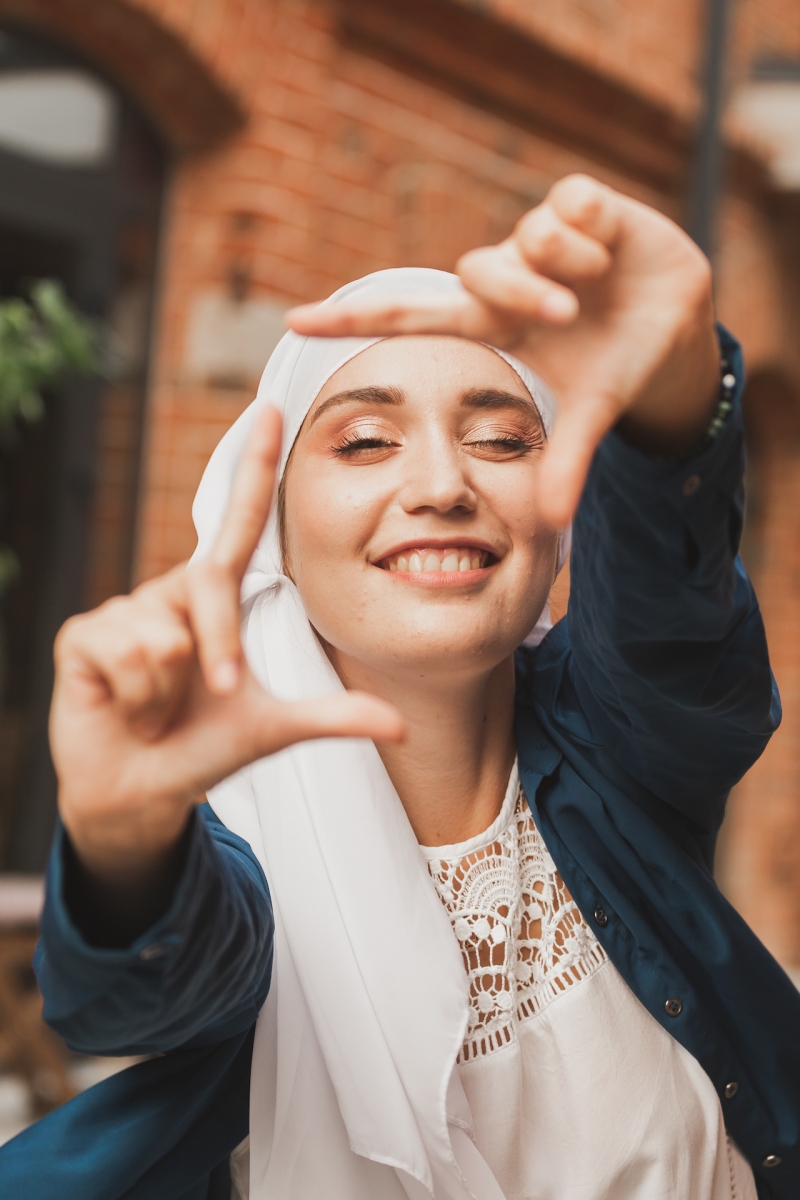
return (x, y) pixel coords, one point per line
(411, 527)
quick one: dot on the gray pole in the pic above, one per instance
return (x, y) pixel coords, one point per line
(707, 159)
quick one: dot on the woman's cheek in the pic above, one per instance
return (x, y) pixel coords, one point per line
(326, 530)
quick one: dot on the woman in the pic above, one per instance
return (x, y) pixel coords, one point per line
(501, 966)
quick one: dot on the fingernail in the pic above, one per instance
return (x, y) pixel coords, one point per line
(225, 675)
(559, 306)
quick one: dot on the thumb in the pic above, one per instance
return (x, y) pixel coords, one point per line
(578, 431)
(345, 714)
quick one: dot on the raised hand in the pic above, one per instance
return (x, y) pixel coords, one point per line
(154, 702)
(608, 300)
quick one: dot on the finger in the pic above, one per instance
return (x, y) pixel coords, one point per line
(347, 714)
(578, 431)
(253, 725)
(212, 586)
(499, 276)
(558, 250)
(139, 659)
(589, 206)
(167, 649)
(458, 316)
(212, 605)
(251, 495)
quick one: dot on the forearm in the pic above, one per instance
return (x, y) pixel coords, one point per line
(205, 963)
(669, 651)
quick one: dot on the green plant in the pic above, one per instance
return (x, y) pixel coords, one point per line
(43, 341)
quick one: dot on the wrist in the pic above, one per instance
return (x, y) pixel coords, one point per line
(123, 849)
(676, 410)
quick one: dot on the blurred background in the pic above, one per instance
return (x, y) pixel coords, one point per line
(187, 169)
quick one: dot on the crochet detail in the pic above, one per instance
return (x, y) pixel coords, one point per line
(522, 937)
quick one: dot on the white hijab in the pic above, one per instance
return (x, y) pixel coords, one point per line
(354, 1095)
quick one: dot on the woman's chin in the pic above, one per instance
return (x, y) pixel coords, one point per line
(446, 647)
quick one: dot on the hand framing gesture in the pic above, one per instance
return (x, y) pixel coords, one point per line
(154, 702)
(608, 300)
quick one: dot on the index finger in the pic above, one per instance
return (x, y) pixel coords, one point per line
(251, 496)
(211, 587)
(457, 315)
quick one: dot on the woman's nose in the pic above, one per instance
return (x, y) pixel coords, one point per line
(436, 478)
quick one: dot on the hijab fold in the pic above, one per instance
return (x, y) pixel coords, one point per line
(354, 1092)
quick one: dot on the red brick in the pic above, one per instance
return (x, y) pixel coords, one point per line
(331, 138)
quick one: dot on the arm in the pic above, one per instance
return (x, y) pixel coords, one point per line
(201, 970)
(154, 704)
(669, 655)
(612, 304)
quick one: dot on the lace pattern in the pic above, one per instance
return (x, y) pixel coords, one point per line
(522, 937)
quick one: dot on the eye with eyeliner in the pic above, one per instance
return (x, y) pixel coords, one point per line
(505, 441)
(370, 441)
(357, 441)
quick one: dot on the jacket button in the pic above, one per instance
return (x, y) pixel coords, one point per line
(154, 951)
(772, 1160)
(691, 485)
(601, 916)
(730, 1090)
(674, 1007)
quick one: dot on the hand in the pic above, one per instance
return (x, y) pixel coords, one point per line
(154, 702)
(606, 299)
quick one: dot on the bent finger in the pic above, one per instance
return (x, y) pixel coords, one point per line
(503, 280)
(558, 250)
(588, 205)
(126, 655)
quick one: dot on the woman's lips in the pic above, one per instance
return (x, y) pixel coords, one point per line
(429, 560)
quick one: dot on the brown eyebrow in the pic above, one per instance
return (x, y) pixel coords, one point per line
(496, 398)
(365, 395)
(474, 398)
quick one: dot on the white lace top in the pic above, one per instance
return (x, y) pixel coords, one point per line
(575, 1090)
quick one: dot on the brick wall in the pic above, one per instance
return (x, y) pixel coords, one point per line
(346, 165)
(304, 160)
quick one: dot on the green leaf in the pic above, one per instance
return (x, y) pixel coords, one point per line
(42, 343)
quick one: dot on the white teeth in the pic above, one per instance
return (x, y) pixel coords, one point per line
(432, 561)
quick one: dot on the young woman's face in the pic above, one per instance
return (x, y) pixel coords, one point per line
(411, 524)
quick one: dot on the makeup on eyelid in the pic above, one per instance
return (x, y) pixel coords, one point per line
(360, 443)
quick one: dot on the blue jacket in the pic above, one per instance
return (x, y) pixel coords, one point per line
(634, 718)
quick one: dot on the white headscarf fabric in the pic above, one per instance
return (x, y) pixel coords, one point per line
(354, 1093)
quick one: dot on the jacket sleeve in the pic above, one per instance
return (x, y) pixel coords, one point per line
(199, 975)
(668, 652)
